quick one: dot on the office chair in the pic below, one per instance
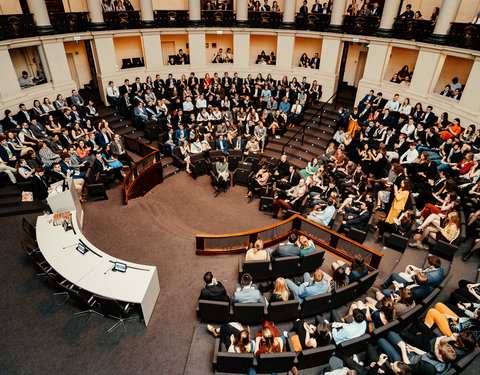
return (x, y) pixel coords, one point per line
(29, 229)
(115, 310)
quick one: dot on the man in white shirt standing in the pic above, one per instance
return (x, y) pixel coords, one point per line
(112, 94)
(393, 104)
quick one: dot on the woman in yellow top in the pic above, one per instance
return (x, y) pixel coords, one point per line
(257, 252)
(448, 232)
(401, 196)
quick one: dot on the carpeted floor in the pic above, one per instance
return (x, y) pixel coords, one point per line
(37, 336)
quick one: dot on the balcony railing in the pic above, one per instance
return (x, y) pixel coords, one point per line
(265, 20)
(312, 22)
(412, 29)
(122, 20)
(218, 18)
(464, 35)
(69, 22)
(17, 26)
(361, 25)
(171, 18)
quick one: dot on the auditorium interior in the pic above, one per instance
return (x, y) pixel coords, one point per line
(240, 187)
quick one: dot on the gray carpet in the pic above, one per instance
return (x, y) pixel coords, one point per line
(37, 336)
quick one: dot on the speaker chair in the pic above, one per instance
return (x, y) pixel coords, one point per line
(213, 311)
(242, 173)
(249, 313)
(198, 164)
(224, 361)
(115, 310)
(265, 204)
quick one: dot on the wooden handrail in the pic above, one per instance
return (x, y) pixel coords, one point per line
(296, 227)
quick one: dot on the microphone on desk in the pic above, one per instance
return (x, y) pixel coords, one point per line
(109, 268)
(65, 247)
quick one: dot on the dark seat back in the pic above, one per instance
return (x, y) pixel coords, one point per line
(429, 299)
(111, 306)
(258, 269)
(223, 361)
(315, 356)
(214, 311)
(353, 346)
(366, 282)
(397, 242)
(383, 331)
(444, 250)
(249, 313)
(407, 318)
(275, 362)
(215, 155)
(343, 295)
(199, 164)
(357, 235)
(310, 262)
(285, 266)
(463, 363)
(283, 311)
(315, 305)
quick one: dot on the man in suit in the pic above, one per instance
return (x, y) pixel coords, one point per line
(317, 7)
(387, 120)
(265, 7)
(408, 12)
(357, 221)
(140, 114)
(55, 145)
(379, 102)
(137, 86)
(288, 249)
(222, 144)
(214, 290)
(226, 81)
(181, 57)
(38, 130)
(237, 81)
(292, 179)
(237, 144)
(9, 122)
(40, 187)
(23, 115)
(192, 81)
(302, 13)
(103, 138)
(390, 140)
(366, 99)
(247, 292)
(365, 112)
(375, 10)
(65, 139)
(125, 88)
(310, 286)
(171, 82)
(7, 159)
(117, 149)
(428, 117)
(315, 62)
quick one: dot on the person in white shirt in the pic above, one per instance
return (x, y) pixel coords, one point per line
(295, 113)
(203, 116)
(393, 104)
(408, 128)
(112, 94)
(188, 105)
(411, 155)
(455, 85)
(201, 102)
(339, 136)
(406, 108)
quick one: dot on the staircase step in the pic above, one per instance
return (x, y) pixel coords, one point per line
(169, 170)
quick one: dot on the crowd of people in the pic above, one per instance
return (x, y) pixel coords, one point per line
(51, 142)
(368, 8)
(116, 5)
(215, 112)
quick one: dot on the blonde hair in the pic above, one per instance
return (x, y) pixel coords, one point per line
(281, 288)
(318, 275)
(258, 246)
(304, 241)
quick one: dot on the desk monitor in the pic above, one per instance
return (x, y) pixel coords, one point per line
(66, 225)
(82, 248)
(122, 267)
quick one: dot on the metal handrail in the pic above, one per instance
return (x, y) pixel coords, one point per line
(302, 129)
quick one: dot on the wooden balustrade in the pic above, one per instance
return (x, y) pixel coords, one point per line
(464, 35)
(312, 21)
(265, 20)
(69, 22)
(17, 26)
(171, 18)
(218, 18)
(361, 25)
(412, 29)
(122, 20)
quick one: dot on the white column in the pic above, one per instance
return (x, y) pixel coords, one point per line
(10, 87)
(471, 92)
(330, 64)
(96, 14)
(338, 11)
(390, 11)
(194, 12)
(289, 12)
(40, 15)
(146, 9)
(242, 11)
(448, 13)
(57, 63)
(105, 62)
(196, 42)
(285, 45)
(427, 70)
(241, 49)
(152, 48)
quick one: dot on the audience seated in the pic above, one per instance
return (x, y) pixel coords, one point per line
(214, 290)
(310, 286)
(246, 291)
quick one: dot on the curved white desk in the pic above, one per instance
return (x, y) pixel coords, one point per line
(92, 271)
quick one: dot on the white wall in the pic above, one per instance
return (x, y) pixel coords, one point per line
(398, 58)
(80, 59)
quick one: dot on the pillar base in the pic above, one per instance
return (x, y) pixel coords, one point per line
(149, 24)
(195, 23)
(43, 30)
(385, 33)
(438, 39)
(98, 26)
(288, 25)
(242, 23)
(335, 28)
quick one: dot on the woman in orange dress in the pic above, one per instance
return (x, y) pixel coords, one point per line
(451, 130)
(353, 122)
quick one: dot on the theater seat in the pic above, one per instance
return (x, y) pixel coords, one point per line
(314, 305)
(310, 262)
(283, 311)
(285, 266)
(275, 362)
(353, 346)
(258, 269)
(249, 313)
(366, 282)
(230, 362)
(313, 357)
(213, 311)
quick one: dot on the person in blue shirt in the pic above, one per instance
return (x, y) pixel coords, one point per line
(284, 105)
(323, 215)
(247, 292)
(309, 287)
(346, 331)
